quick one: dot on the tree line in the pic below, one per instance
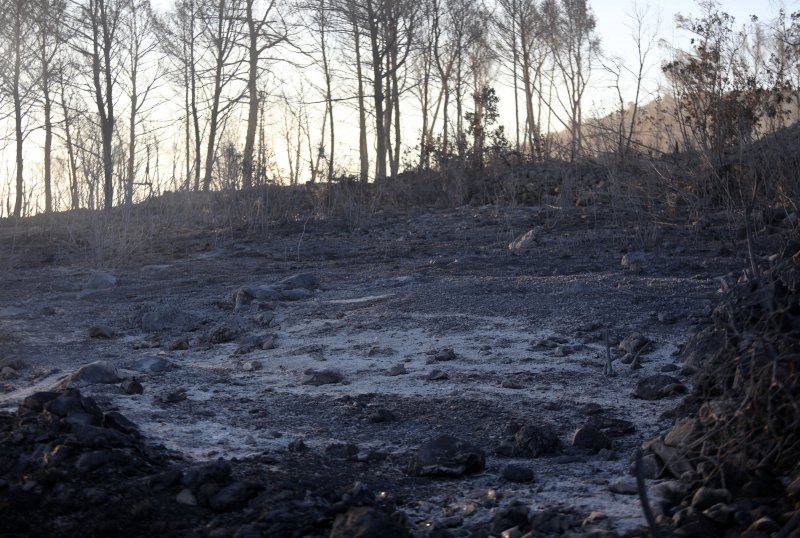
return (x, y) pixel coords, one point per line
(100, 82)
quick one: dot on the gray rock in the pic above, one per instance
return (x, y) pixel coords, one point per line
(98, 372)
(172, 397)
(321, 377)
(675, 462)
(119, 422)
(623, 486)
(525, 241)
(512, 384)
(517, 473)
(590, 438)
(298, 445)
(683, 432)
(634, 261)
(226, 332)
(100, 331)
(633, 342)
(531, 441)
(294, 294)
(651, 466)
(658, 386)
(132, 386)
(670, 491)
(366, 522)
(437, 375)
(613, 427)
(707, 497)
(186, 497)
(233, 495)
(308, 281)
(447, 456)
(446, 354)
(397, 369)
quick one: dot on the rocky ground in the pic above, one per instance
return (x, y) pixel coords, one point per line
(424, 375)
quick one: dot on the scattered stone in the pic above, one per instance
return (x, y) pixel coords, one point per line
(174, 396)
(633, 343)
(592, 409)
(683, 432)
(525, 241)
(658, 386)
(152, 365)
(100, 331)
(530, 441)
(367, 522)
(706, 497)
(321, 377)
(178, 344)
(667, 368)
(302, 280)
(119, 422)
(437, 375)
(613, 427)
(672, 458)
(651, 466)
(517, 473)
(764, 526)
(446, 354)
(294, 294)
(132, 386)
(298, 445)
(233, 495)
(593, 518)
(447, 456)
(8, 372)
(251, 366)
(623, 486)
(186, 497)
(341, 451)
(449, 522)
(635, 261)
(720, 513)
(670, 491)
(512, 384)
(226, 332)
(381, 415)
(510, 521)
(97, 372)
(256, 342)
(589, 437)
(397, 369)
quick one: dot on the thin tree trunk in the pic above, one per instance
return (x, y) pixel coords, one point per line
(253, 105)
(17, 98)
(362, 113)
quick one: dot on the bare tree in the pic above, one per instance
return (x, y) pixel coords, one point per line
(15, 82)
(220, 27)
(47, 13)
(142, 76)
(178, 35)
(574, 46)
(95, 24)
(264, 32)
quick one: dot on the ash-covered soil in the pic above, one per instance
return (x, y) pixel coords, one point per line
(304, 401)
